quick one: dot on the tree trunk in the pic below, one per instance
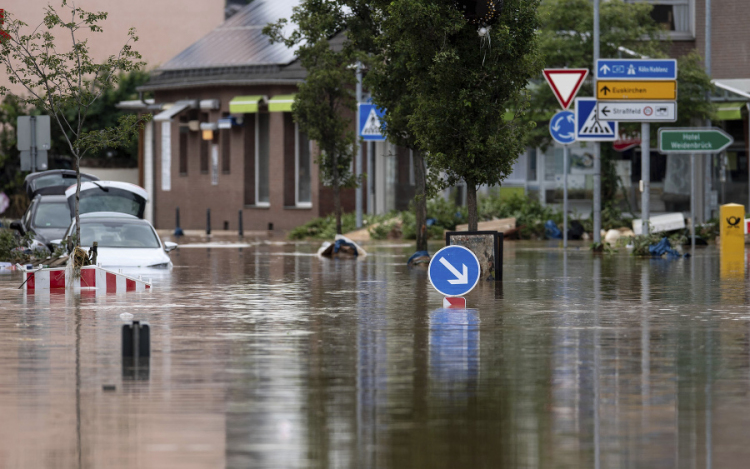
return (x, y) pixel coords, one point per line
(78, 199)
(336, 192)
(420, 201)
(471, 203)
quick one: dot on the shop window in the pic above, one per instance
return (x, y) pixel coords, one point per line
(184, 133)
(262, 152)
(303, 169)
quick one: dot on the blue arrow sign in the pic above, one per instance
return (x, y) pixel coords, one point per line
(454, 271)
(589, 127)
(636, 69)
(371, 122)
(562, 127)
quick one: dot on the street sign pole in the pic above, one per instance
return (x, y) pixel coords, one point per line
(566, 151)
(358, 190)
(597, 145)
(645, 174)
(692, 202)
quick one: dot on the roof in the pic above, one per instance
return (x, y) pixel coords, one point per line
(95, 215)
(235, 53)
(53, 181)
(735, 89)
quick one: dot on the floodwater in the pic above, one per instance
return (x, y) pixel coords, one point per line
(268, 357)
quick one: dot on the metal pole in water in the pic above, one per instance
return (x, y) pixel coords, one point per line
(645, 174)
(208, 221)
(242, 231)
(358, 169)
(597, 145)
(565, 196)
(692, 202)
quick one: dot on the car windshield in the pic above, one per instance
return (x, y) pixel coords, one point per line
(118, 234)
(52, 215)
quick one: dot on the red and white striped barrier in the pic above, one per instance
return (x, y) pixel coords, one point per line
(92, 278)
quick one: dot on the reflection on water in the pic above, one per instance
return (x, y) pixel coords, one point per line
(266, 356)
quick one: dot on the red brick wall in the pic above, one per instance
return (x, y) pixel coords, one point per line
(730, 46)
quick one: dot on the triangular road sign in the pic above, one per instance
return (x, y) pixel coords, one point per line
(372, 126)
(565, 83)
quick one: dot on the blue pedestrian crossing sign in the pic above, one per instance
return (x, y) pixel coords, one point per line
(562, 127)
(454, 271)
(589, 127)
(370, 122)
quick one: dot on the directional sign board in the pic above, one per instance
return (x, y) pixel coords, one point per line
(636, 90)
(637, 111)
(589, 127)
(693, 140)
(565, 83)
(454, 271)
(370, 122)
(562, 127)
(636, 69)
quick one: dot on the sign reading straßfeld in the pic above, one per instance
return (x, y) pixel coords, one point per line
(636, 90)
(693, 140)
(637, 111)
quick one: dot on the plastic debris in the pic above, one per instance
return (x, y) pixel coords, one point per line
(551, 231)
(419, 258)
(663, 247)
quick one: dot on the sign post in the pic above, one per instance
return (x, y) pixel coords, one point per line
(33, 142)
(693, 140)
(562, 128)
(454, 271)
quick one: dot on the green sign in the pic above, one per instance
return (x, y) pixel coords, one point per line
(693, 140)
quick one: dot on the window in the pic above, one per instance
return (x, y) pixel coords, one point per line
(204, 148)
(673, 15)
(303, 169)
(262, 150)
(52, 215)
(184, 150)
(226, 150)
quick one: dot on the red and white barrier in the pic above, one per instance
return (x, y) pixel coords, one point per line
(92, 278)
(457, 302)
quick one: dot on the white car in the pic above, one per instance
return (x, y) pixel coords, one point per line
(123, 240)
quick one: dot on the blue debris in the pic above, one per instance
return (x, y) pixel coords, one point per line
(663, 247)
(429, 222)
(418, 258)
(551, 231)
(339, 243)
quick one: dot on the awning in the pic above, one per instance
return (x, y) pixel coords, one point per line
(281, 103)
(729, 111)
(245, 104)
(173, 110)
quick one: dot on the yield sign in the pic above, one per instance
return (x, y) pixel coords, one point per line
(565, 83)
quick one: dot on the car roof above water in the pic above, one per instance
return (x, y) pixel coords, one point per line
(91, 216)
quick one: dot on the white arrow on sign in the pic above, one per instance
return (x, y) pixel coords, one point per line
(604, 69)
(460, 278)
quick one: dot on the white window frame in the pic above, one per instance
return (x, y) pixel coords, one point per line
(677, 35)
(258, 203)
(297, 202)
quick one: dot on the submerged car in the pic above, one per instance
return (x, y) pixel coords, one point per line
(123, 240)
(46, 219)
(48, 215)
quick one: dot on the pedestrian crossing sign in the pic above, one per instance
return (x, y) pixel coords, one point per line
(589, 127)
(371, 122)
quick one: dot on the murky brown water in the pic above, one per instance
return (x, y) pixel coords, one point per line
(269, 357)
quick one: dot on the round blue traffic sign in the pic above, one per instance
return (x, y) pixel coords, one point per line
(454, 271)
(562, 127)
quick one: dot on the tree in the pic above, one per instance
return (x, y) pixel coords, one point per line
(10, 158)
(373, 30)
(64, 81)
(462, 86)
(325, 102)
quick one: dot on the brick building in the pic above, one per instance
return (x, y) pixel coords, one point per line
(223, 137)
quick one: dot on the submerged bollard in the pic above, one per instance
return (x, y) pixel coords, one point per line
(177, 229)
(208, 221)
(136, 350)
(240, 225)
(136, 340)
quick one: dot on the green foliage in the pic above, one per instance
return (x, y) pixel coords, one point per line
(529, 213)
(642, 242)
(11, 178)
(325, 101)
(13, 247)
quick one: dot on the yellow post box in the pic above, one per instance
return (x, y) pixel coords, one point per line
(732, 232)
